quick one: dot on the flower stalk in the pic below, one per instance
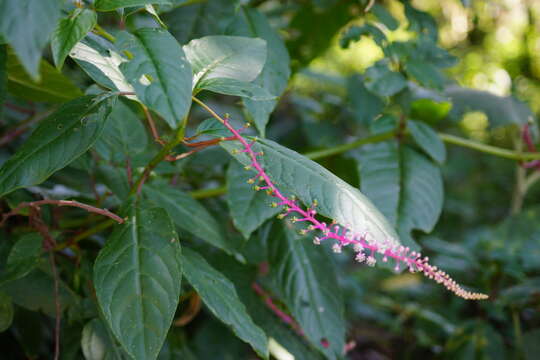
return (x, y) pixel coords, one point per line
(363, 245)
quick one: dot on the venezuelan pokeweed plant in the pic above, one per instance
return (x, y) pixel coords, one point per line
(176, 176)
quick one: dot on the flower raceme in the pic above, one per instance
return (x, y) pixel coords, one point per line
(364, 247)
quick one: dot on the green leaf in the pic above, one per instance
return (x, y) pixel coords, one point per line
(53, 86)
(36, 292)
(123, 135)
(137, 279)
(500, 110)
(228, 57)
(276, 71)
(6, 312)
(249, 208)
(189, 215)
(101, 60)
(23, 258)
(428, 140)
(220, 296)
(69, 31)
(311, 182)
(382, 81)
(404, 185)
(212, 128)
(426, 74)
(110, 5)
(58, 140)
(365, 105)
(96, 344)
(306, 282)
(26, 25)
(158, 71)
(385, 17)
(355, 33)
(236, 88)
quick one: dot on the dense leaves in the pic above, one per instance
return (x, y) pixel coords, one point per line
(133, 110)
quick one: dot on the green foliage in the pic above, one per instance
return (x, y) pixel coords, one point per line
(137, 279)
(361, 122)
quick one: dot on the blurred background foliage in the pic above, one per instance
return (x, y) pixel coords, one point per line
(469, 68)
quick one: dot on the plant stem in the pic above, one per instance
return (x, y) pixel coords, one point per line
(352, 145)
(489, 149)
(101, 31)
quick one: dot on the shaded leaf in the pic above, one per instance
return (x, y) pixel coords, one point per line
(53, 86)
(189, 215)
(384, 16)
(213, 128)
(383, 81)
(123, 135)
(137, 279)
(158, 71)
(36, 292)
(428, 140)
(249, 208)
(365, 105)
(3, 74)
(69, 31)
(219, 294)
(57, 141)
(26, 25)
(23, 258)
(306, 281)
(6, 312)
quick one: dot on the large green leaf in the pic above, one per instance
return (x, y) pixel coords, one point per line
(137, 279)
(26, 25)
(276, 70)
(158, 71)
(428, 140)
(188, 214)
(404, 185)
(58, 140)
(249, 209)
(53, 86)
(101, 60)
(306, 281)
(219, 294)
(236, 88)
(311, 182)
(110, 5)
(23, 258)
(229, 57)
(6, 312)
(123, 136)
(501, 111)
(70, 31)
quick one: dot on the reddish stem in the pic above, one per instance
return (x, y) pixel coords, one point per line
(37, 204)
